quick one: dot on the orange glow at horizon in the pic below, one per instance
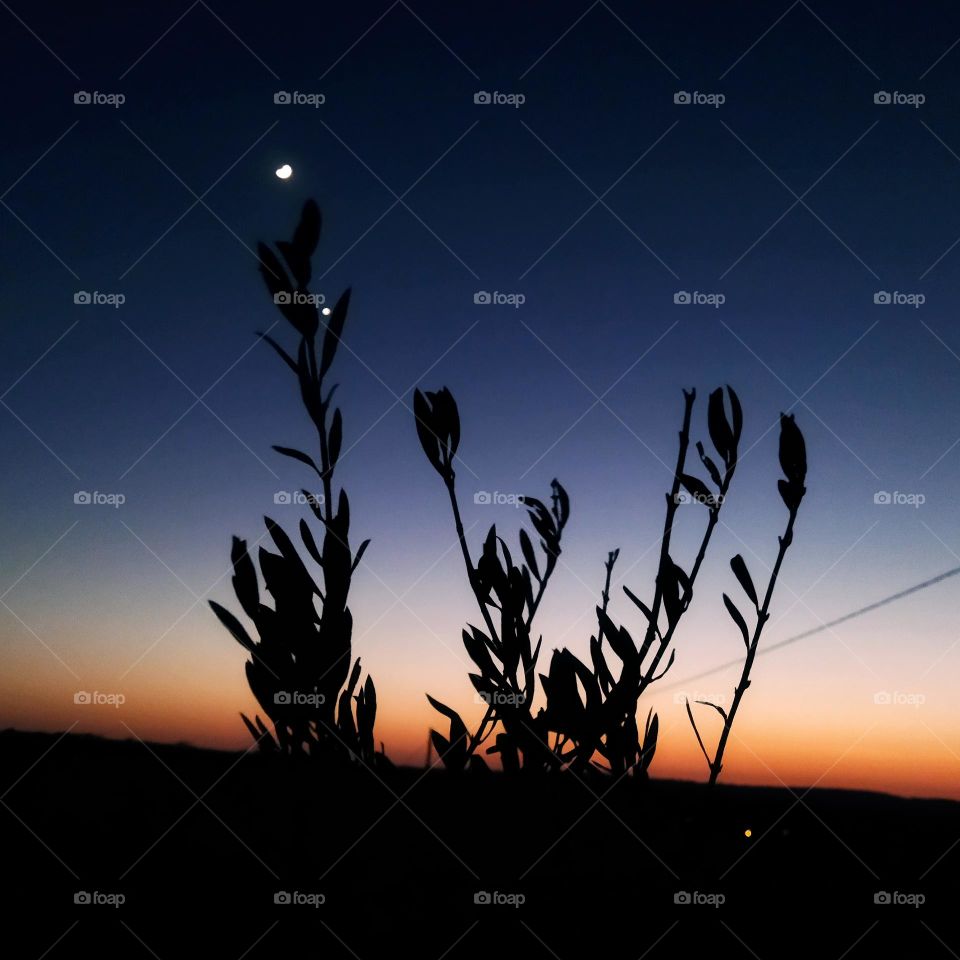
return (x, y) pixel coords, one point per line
(885, 752)
(851, 711)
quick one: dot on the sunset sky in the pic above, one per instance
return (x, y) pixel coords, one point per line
(598, 199)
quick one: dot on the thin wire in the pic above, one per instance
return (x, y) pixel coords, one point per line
(824, 626)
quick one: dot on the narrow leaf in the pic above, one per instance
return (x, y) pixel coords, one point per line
(709, 464)
(698, 490)
(720, 710)
(738, 620)
(693, 723)
(307, 234)
(306, 534)
(287, 359)
(297, 455)
(233, 625)
(361, 550)
(335, 324)
(644, 609)
(531, 558)
(336, 439)
(739, 568)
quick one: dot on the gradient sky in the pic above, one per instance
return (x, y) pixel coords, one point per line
(597, 200)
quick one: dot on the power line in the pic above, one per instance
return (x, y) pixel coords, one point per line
(824, 626)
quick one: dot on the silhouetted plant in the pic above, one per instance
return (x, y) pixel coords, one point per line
(604, 720)
(299, 669)
(793, 462)
(578, 722)
(508, 601)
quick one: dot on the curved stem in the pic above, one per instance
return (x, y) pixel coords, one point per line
(490, 716)
(763, 615)
(672, 498)
(479, 737)
(326, 475)
(648, 676)
(465, 550)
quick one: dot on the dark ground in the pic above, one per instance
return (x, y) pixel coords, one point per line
(399, 860)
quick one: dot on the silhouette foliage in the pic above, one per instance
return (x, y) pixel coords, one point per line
(603, 719)
(300, 665)
(793, 462)
(508, 595)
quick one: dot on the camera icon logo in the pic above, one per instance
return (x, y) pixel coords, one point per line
(482, 96)
(681, 96)
(282, 96)
(482, 497)
(882, 97)
(281, 896)
(682, 497)
(281, 496)
(282, 298)
(882, 896)
(882, 297)
(282, 697)
(81, 696)
(82, 497)
(81, 96)
(482, 896)
(82, 296)
(682, 896)
(482, 296)
(681, 296)
(882, 698)
(882, 497)
(81, 896)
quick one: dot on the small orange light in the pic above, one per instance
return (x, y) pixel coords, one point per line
(748, 833)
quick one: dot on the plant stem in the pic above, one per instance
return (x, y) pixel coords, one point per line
(539, 596)
(477, 739)
(714, 519)
(652, 630)
(762, 616)
(465, 550)
(647, 678)
(605, 595)
(623, 697)
(326, 473)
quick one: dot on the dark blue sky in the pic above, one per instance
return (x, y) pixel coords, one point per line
(598, 200)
